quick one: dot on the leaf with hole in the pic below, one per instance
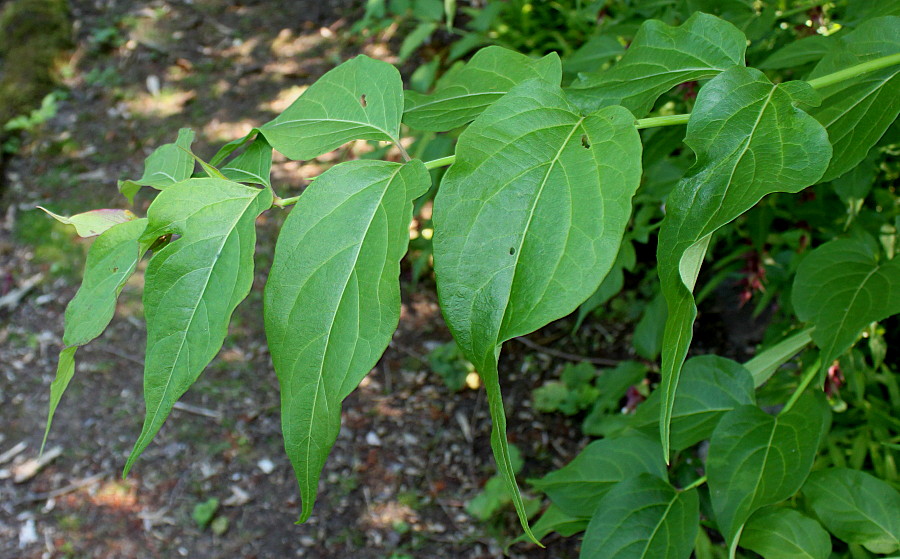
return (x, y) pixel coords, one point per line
(528, 221)
(332, 300)
(750, 141)
(192, 285)
(362, 99)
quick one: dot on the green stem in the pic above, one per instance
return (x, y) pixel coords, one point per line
(656, 121)
(442, 162)
(697, 483)
(807, 378)
(853, 71)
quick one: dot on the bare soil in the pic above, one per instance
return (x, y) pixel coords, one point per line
(410, 454)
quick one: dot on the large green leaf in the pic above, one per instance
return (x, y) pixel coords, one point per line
(167, 165)
(659, 58)
(362, 99)
(578, 487)
(856, 507)
(781, 533)
(800, 52)
(840, 288)
(464, 92)
(643, 517)
(332, 300)
(192, 285)
(110, 262)
(710, 387)
(253, 166)
(528, 221)
(757, 460)
(749, 140)
(857, 111)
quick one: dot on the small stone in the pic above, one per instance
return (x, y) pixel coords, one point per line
(373, 439)
(266, 465)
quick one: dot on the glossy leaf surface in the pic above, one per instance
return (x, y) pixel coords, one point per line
(332, 300)
(528, 221)
(750, 141)
(362, 99)
(167, 165)
(757, 460)
(782, 533)
(464, 92)
(193, 284)
(659, 58)
(643, 517)
(578, 487)
(856, 507)
(857, 111)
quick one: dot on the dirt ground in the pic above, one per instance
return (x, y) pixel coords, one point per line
(410, 455)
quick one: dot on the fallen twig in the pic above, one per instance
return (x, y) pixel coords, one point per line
(565, 355)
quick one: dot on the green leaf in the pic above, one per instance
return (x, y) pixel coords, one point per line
(466, 91)
(757, 460)
(110, 262)
(415, 39)
(362, 99)
(555, 520)
(710, 387)
(840, 288)
(167, 165)
(192, 285)
(590, 56)
(253, 166)
(643, 517)
(857, 112)
(578, 487)
(659, 58)
(856, 507)
(800, 52)
(332, 300)
(764, 364)
(648, 333)
(781, 533)
(94, 222)
(750, 141)
(528, 221)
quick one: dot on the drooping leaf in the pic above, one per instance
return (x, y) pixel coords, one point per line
(332, 300)
(643, 517)
(362, 99)
(782, 533)
(659, 58)
(856, 507)
(528, 221)
(757, 460)
(94, 222)
(110, 262)
(800, 52)
(710, 387)
(611, 285)
(464, 92)
(648, 332)
(192, 285)
(555, 520)
(167, 165)
(857, 111)
(578, 487)
(253, 166)
(750, 141)
(840, 288)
